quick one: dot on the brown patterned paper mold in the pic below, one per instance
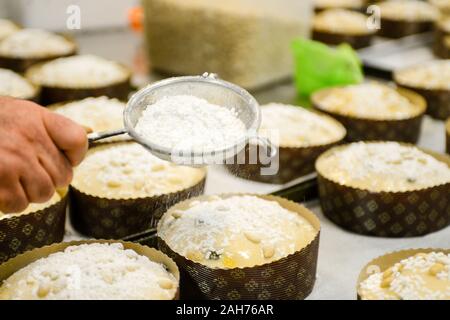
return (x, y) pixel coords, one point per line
(121, 189)
(431, 81)
(385, 189)
(367, 114)
(224, 274)
(21, 261)
(355, 5)
(406, 17)
(441, 47)
(303, 135)
(79, 77)
(28, 47)
(342, 26)
(375, 279)
(447, 131)
(38, 225)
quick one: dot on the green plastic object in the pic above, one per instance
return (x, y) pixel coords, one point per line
(319, 66)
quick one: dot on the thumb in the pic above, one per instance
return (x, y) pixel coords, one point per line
(68, 136)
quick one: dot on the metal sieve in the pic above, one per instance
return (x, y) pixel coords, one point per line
(208, 87)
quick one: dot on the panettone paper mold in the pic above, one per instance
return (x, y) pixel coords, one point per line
(55, 94)
(19, 262)
(289, 278)
(20, 233)
(21, 65)
(381, 263)
(440, 49)
(108, 218)
(357, 41)
(402, 28)
(294, 161)
(386, 214)
(447, 131)
(365, 129)
(438, 100)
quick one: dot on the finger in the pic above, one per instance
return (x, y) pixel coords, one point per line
(13, 198)
(55, 163)
(37, 184)
(68, 136)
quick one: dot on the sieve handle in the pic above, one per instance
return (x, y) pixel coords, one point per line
(96, 136)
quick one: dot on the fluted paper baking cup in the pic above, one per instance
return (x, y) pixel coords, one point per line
(440, 48)
(447, 130)
(9, 268)
(364, 129)
(438, 100)
(54, 94)
(105, 218)
(293, 163)
(356, 41)
(386, 214)
(386, 261)
(20, 233)
(289, 278)
(20, 65)
(402, 28)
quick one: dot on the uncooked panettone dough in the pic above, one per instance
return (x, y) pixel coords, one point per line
(433, 75)
(424, 276)
(7, 28)
(34, 207)
(368, 101)
(99, 114)
(340, 21)
(91, 272)
(297, 127)
(383, 167)
(128, 170)
(235, 232)
(16, 86)
(77, 72)
(408, 10)
(35, 43)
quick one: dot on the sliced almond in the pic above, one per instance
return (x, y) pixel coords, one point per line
(138, 185)
(194, 256)
(436, 269)
(268, 251)
(113, 184)
(43, 290)
(177, 214)
(388, 273)
(165, 283)
(386, 283)
(252, 236)
(158, 167)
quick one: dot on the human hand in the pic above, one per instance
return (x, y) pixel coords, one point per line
(38, 150)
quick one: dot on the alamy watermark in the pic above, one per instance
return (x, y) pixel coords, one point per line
(73, 21)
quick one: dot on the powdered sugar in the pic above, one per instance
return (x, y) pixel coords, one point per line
(408, 10)
(83, 71)
(14, 85)
(235, 230)
(91, 271)
(188, 123)
(434, 75)
(99, 114)
(342, 22)
(423, 276)
(7, 28)
(35, 43)
(368, 101)
(384, 166)
(127, 170)
(299, 127)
